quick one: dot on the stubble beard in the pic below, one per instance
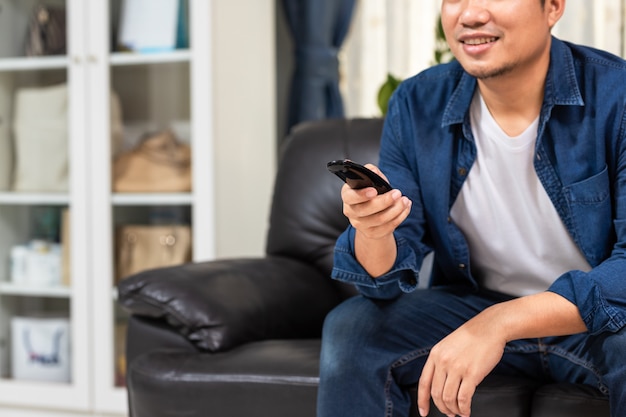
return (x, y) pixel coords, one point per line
(489, 73)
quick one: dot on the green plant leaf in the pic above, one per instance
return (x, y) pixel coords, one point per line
(441, 54)
(385, 92)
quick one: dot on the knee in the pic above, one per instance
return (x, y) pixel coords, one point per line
(613, 350)
(348, 322)
(609, 350)
(348, 330)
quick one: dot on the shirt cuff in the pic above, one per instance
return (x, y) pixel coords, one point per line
(403, 276)
(581, 290)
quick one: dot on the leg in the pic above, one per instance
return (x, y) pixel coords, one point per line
(609, 352)
(596, 360)
(372, 349)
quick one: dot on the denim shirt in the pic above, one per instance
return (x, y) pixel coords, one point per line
(427, 150)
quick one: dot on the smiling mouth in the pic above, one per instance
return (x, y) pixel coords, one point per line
(479, 41)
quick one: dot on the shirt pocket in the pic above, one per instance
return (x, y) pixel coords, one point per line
(590, 207)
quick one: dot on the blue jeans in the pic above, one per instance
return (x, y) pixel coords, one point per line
(371, 349)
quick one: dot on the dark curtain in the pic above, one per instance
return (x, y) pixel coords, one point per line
(319, 28)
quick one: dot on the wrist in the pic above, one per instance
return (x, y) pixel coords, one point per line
(376, 255)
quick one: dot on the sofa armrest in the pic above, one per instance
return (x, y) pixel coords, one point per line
(218, 305)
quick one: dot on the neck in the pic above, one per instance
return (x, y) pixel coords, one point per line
(515, 99)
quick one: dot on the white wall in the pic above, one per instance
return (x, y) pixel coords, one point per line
(391, 36)
(245, 118)
(598, 23)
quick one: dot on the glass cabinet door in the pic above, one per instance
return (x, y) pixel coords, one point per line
(42, 268)
(145, 171)
(150, 183)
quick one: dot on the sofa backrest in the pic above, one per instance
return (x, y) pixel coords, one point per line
(306, 215)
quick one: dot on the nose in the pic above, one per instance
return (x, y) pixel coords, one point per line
(475, 13)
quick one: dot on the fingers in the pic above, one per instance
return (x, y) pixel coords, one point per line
(452, 398)
(423, 389)
(450, 394)
(464, 398)
(445, 394)
(351, 196)
(372, 214)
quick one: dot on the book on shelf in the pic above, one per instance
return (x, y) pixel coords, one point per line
(152, 26)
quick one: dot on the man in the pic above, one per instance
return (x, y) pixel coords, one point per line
(510, 165)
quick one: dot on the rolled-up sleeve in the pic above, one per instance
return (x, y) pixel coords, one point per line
(599, 295)
(403, 276)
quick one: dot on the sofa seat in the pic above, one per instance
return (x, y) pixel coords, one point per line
(282, 376)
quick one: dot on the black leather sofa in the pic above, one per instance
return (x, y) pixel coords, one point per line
(240, 337)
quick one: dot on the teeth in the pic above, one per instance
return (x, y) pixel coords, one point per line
(479, 41)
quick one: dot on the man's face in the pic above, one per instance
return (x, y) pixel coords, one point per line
(492, 38)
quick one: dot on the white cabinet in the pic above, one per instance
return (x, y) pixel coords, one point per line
(166, 89)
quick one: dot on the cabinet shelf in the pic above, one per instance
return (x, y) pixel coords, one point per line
(10, 288)
(115, 59)
(43, 199)
(33, 63)
(132, 58)
(152, 199)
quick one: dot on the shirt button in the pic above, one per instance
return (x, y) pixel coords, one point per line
(449, 219)
(412, 281)
(461, 266)
(462, 171)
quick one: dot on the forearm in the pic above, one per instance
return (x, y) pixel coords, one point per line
(376, 256)
(540, 315)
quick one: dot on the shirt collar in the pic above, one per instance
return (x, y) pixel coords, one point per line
(561, 86)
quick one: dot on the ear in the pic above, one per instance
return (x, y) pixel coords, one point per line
(554, 10)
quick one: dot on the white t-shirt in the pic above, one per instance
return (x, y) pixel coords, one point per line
(518, 243)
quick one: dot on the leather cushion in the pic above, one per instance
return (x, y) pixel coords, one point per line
(276, 378)
(567, 400)
(280, 377)
(222, 304)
